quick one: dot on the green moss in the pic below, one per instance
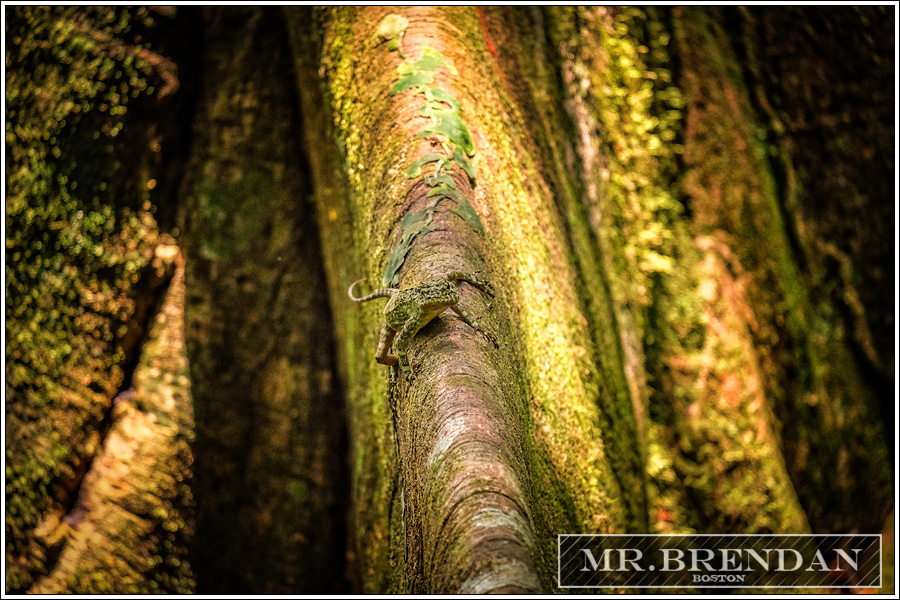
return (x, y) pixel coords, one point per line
(617, 71)
(711, 408)
(619, 207)
(446, 126)
(788, 350)
(78, 237)
(558, 373)
(357, 95)
(620, 71)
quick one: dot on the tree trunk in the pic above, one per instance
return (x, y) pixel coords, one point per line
(681, 213)
(99, 416)
(656, 325)
(271, 440)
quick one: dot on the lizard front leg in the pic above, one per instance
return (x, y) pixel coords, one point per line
(473, 324)
(473, 279)
(412, 325)
(383, 353)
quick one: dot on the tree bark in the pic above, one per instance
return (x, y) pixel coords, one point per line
(656, 342)
(99, 417)
(271, 456)
(681, 212)
(495, 447)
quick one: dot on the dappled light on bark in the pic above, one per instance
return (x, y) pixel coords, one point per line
(637, 266)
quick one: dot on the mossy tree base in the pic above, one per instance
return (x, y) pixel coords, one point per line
(679, 210)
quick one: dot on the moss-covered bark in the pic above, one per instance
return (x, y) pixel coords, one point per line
(744, 191)
(628, 227)
(130, 524)
(270, 443)
(81, 291)
(683, 213)
(533, 406)
(641, 313)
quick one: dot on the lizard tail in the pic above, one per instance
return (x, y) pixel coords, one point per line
(385, 293)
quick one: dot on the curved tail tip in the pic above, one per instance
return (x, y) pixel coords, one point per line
(353, 285)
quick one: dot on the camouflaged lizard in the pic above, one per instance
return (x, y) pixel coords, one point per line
(407, 311)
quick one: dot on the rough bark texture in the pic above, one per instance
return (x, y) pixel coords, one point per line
(82, 291)
(805, 317)
(651, 300)
(461, 426)
(684, 213)
(271, 444)
(135, 494)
